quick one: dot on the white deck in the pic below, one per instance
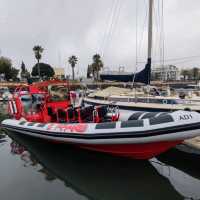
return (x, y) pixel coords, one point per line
(147, 105)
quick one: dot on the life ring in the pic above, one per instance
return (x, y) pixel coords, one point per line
(164, 101)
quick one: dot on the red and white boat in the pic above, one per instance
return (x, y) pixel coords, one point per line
(36, 113)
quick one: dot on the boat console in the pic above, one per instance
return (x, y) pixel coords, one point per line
(37, 106)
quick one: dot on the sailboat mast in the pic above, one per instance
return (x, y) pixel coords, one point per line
(150, 38)
(150, 28)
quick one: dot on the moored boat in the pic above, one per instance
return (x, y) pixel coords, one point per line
(140, 139)
(139, 100)
(37, 114)
(134, 104)
(145, 102)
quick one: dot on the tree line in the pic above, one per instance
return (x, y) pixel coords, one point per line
(7, 69)
(191, 74)
(44, 70)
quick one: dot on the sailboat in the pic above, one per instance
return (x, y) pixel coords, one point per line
(145, 102)
(143, 76)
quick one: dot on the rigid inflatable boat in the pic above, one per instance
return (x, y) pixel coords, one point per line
(138, 138)
(90, 128)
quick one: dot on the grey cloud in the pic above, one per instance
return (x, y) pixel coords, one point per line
(66, 27)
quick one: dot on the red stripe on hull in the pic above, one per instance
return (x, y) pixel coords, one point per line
(136, 151)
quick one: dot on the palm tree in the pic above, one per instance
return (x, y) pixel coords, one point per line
(97, 65)
(195, 73)
(73, 61)
(38, 55)
(185, 73)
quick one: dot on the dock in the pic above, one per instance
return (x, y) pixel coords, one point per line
(194, 143)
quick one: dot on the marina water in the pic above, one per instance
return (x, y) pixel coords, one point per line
(33, 169)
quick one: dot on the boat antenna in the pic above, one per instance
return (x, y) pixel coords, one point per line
(136, 42)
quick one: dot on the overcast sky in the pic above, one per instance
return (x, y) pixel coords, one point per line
(83, 28)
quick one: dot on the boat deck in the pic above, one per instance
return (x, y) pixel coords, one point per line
(146, 106)
(194, 143)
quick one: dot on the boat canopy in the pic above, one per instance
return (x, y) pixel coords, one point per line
(142, 76)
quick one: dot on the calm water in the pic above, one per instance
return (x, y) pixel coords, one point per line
(32, 169)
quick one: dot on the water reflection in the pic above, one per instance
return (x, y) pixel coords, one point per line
(186, 162)
(185, 184)
(173, 175)
(2, 137)
(182, 170)
(3, 115)
(96, 176)
(29, 160)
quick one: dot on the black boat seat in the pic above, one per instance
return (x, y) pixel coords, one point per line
(70, 114)
(102, 111)
(85, 113)
(99, 113)
(61, 115)
(52, 114)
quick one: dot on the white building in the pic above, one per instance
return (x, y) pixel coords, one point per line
(59, 73)
(165, 73)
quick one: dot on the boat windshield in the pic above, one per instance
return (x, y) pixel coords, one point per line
(59, 93)
(56, 98)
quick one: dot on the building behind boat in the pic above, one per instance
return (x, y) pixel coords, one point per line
(158, 73)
